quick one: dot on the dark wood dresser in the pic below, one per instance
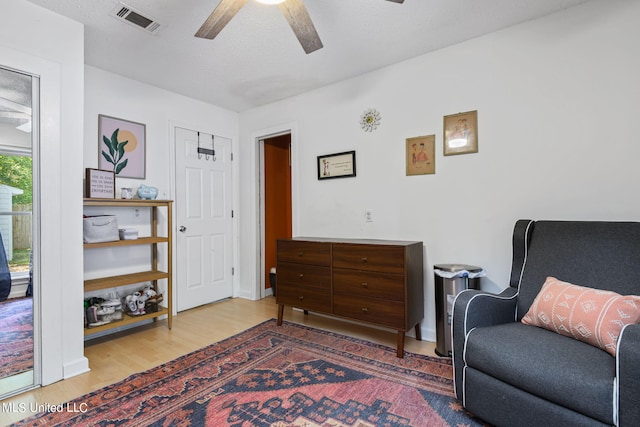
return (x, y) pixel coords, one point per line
(374, 281)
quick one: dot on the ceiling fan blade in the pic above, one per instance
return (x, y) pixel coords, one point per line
(296, 14)
(220, 17)
(397, 1)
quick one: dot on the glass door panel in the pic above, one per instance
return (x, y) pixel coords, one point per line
(18, 143)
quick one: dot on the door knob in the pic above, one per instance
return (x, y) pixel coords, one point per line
(182, 229)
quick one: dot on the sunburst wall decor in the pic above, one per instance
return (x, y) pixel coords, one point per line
(370, 120)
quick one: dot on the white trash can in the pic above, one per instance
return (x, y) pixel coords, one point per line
(450, 279)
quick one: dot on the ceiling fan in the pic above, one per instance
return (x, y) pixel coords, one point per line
(293, 10)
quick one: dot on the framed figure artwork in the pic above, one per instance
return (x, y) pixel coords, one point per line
(461, 133)
(421, 159)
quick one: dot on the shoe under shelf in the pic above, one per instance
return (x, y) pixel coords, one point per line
(126, 320)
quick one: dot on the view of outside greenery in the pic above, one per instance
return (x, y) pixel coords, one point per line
(16, 171)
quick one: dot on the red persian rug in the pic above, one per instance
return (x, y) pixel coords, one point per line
(16, 336)
(276, 376)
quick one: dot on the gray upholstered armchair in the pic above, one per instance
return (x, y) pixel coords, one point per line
(511, 374)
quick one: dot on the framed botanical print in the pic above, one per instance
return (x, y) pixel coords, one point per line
(122, 147)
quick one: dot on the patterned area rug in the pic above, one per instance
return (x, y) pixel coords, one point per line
(16, 336)
(277, 376)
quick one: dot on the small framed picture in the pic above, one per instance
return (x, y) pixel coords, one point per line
(421, 159)
(339, 165)
(461, 133)
(100, 184)
(122, 146)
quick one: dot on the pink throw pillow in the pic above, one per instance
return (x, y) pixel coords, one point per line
(590, 315)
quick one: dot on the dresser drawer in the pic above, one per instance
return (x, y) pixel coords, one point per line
(369, 284)
(305, 252)
(389, 259)
(304, 297)
(304, 274)
(381, 312)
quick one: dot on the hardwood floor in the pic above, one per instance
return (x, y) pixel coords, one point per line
(115, 357)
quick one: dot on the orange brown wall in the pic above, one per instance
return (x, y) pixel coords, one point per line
(277, 173)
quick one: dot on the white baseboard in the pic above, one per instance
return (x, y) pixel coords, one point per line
(428, 334)
(77, 367)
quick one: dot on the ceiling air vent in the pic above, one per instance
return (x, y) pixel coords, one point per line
(136, 18)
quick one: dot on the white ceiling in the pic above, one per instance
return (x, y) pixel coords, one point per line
(256, 59)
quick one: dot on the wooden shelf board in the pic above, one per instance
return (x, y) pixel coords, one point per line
(126, 320)
(125, 202)
(139, 241)
(125, 279)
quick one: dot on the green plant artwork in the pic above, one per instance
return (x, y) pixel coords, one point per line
(116, 151)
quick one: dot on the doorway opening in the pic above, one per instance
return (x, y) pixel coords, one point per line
(275, 153)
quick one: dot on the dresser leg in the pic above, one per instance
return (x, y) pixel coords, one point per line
(400, 352)
(280, 314)
(418, 332)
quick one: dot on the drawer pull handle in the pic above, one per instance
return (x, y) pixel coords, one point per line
(364, 259)
(365, 309)
(301, 275)
(365, 285)
(300, 298)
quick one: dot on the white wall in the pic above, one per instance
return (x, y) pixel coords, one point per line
(117, 96)
(160, 110)
(557, 102)
(35, 40)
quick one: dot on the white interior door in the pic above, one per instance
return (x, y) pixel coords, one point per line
(204, 219)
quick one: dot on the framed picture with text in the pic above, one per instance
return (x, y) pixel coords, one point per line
(100, 184)
(339, 165)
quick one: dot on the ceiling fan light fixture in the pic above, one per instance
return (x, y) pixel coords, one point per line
(294, 12)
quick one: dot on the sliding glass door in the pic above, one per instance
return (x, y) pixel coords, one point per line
(19, 100)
